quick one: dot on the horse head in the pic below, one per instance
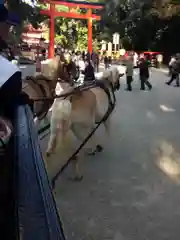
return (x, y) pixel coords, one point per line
(42, 86)
(112, 75)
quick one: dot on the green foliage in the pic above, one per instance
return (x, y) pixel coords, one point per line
(25, 11)
(63, 30)
(157, 22)
(63, 26)
(27, 14)
(82, 37)
(143, 25)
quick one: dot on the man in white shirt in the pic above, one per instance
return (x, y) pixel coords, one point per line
(129, 72)
(159, 60)
(135, 59)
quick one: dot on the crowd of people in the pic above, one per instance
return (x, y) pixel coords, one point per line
(143, 65)
(86, 63)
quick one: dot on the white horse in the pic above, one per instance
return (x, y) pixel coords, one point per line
(80, 112)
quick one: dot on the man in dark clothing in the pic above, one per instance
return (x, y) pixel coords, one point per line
(89, 72)
(144, 74)
(83, 55)
(97, 62)
(93, 58)
(109, 60)
(43, 51)
(106, 62)
(88, 56)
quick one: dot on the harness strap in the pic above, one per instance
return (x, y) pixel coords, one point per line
(104, 87)
(40, 78)
(46, 103)
(107, 114)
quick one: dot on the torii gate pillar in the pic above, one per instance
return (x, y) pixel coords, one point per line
(90, 46)
(51, 31)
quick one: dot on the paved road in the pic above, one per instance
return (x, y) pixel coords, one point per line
(131, 191)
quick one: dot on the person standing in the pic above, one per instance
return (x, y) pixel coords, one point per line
(159, 60)
(135, 59)
(83, 56)
(144, 74)
(88, 56)
(109, 61)
(172, 60)
(93, 59)
(97, 62)
(81, 65)
(129, 72)
(89, 72)
(106, 62)
(175, 69)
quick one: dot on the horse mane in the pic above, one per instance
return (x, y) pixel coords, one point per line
(53, 69)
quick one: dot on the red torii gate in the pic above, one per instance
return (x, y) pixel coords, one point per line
(52, 13)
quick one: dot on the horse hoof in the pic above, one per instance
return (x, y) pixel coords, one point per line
(99, 148)
(77, 178)
(92, 153)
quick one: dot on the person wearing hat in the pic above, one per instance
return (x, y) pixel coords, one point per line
(144, 74)
(10, 77)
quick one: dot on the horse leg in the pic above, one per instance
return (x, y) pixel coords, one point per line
(62, 127)
(80, 134)
(107, 123)
(51, 144)
(81, 131)
(76, 169)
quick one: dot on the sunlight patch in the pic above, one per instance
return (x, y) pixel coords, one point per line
(169, 161)
(151, 116)
(169, 166)
(165, 108)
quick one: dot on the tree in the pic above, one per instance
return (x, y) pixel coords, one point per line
(28, 14)
(132, 19)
